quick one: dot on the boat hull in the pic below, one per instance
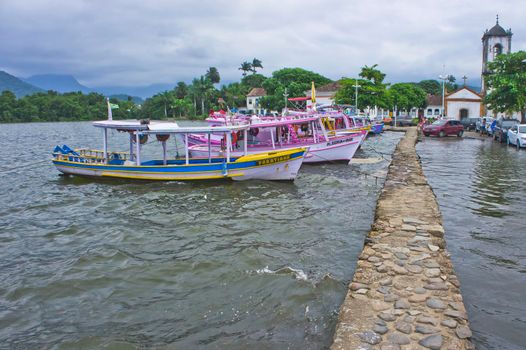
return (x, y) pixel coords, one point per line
(279, 165)
(336, 149)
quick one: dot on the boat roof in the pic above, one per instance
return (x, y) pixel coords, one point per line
(268, 122)
(158, 127)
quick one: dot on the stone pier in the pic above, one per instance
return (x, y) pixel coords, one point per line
(404, 293)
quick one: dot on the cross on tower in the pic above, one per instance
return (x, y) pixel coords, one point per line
(464, 78)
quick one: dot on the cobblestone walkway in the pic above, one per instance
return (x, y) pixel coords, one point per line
(404, 294)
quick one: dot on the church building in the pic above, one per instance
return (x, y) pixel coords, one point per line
(467, 103)
(463, 103)
(494, 42)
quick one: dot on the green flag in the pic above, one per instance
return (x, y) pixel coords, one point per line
(114, 106)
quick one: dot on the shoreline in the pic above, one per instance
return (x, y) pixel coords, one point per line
(404, 293)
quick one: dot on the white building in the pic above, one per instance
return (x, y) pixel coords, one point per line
(463, 103)
(494, 42)
(253, 99)
(434, 106)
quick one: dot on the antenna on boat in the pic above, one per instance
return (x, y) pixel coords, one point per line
(110, 116)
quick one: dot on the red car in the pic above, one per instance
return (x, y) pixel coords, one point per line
(443, 128)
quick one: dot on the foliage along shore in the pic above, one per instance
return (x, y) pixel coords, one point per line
(193, 101)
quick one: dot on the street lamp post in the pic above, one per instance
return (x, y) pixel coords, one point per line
(285, 95)
(443, 78)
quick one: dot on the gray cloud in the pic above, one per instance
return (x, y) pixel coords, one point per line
(123, 42)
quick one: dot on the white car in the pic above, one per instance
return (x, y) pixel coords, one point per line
(517, 135)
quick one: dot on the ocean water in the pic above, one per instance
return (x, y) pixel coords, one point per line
(88, 263)
(481, 189)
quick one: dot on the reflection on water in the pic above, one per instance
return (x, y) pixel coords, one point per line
(480, 186)
(98, 263)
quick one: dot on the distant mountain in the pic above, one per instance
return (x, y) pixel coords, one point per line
(57, 82)
(123, 97)
(19, 87)
(142, 91)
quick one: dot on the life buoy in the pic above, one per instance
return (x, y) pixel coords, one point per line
(254, 132)
(162, 137)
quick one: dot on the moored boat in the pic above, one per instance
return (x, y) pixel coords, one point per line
(268, 134)
(270, 165)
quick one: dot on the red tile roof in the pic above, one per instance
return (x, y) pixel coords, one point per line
(257, 92)
(434, 100)
(334, 86)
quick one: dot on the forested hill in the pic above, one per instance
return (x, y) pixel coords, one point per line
(17, 86)
(57, 82)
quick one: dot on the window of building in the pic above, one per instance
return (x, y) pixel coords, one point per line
(437, 111)
(429, 111)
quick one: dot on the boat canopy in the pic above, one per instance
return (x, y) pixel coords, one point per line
(159, 127)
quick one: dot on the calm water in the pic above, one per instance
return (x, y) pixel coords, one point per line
(481, 188)
(91, 263)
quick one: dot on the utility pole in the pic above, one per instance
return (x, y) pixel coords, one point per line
(285, 95)
(356, 86)
(443, 77)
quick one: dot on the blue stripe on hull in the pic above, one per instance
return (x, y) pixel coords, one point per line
(182, 168)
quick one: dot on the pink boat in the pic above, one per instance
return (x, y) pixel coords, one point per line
(278, 133)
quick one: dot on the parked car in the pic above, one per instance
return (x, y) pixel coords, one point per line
(469, 123)
(501, 130)
(517, 135)
(444, 127)
(404, 120)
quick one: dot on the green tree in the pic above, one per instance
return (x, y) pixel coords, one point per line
(212, 74)
(245, 67)
(507, 84)
(432, 87)
(253, 80)
(166, 99)
(372, 74)
(372, 91)
(256, 64)
(181, 90)
(406, 96)
(8, 105)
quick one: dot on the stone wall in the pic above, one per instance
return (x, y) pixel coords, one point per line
(404, 293)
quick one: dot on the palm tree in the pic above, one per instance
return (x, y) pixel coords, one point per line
(213, 75)
(181, 90)
(166, 98)
(245, 67)
(372, 74)
(256, 64)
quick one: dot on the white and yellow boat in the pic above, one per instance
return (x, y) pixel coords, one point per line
(275, 165)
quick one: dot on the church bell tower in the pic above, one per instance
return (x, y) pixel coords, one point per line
(494, 42)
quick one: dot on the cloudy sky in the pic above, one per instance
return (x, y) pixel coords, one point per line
(128, 42)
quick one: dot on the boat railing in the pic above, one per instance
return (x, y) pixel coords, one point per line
(91, 156)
